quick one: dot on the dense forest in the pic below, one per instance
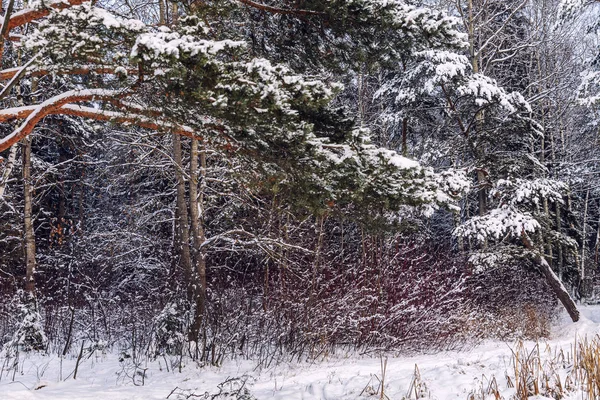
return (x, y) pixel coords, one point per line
(279, 179)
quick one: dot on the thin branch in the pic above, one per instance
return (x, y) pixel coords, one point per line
(17, 77)
(8, 170)
(497, 32)
(277, 10)
(255, 240)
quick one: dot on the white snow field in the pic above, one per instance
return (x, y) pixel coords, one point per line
(447, 375)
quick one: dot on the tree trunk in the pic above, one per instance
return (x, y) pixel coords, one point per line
(559, 260)
(80, 218)
(481, 179)
(460, 239)
(10, 165)
(558, 288)
(175, 13)
(360, 101)
(583, 236)
(555, 284)
(597, 245)
(404, 136)
(198, 233)
(549, 252)
(4, 30)
(183, 245)
(28, 219)
(583, 286)
(61, 225)
(162, 15)
(319, 222)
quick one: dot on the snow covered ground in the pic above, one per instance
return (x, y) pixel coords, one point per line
(448, 375)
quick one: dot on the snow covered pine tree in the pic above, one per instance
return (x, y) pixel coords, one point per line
(488, 131)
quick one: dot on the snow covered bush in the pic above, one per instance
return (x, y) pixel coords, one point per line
(29, 333)
(169, 329)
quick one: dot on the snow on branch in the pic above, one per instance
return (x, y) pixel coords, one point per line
(392, 178)
(20, 72)
(167, 43)
(432, 69)
(84, 34)
(519, 191)
(234, 238)
(486, 91)
(75, 110)
(498, 223)
(567, 9)
(50, 106)
(588, 92)
(447, 71)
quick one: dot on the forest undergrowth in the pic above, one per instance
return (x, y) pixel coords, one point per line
(405, 298)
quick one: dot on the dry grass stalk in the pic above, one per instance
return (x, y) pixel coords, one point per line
(418, 388)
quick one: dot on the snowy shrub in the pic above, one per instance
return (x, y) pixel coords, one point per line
(29, 334)
(169, 329)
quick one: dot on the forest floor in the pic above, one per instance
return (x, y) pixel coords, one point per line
(446, 375)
